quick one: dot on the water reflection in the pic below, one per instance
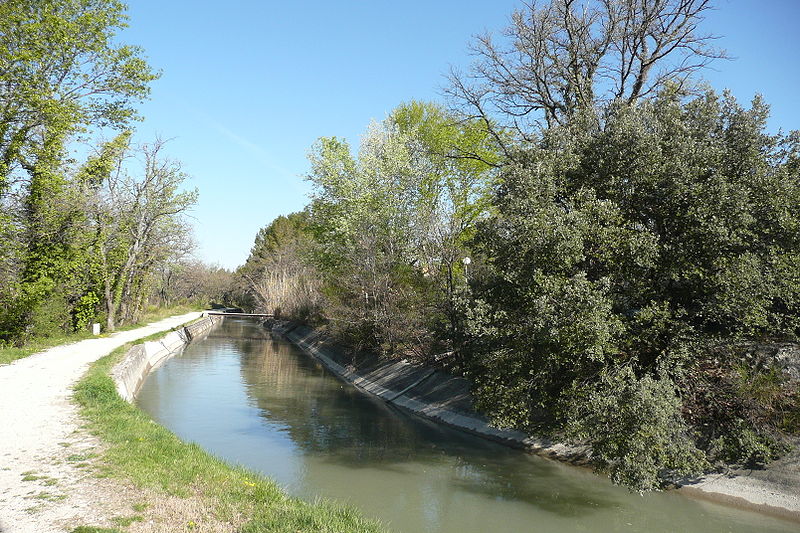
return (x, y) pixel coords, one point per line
(259, 401)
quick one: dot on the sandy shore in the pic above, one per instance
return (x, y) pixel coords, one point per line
(774, 490)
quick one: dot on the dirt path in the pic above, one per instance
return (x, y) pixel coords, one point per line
(44, 485)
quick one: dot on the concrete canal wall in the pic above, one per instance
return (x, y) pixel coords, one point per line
(130, 373)
(428, 392)
(439, 396)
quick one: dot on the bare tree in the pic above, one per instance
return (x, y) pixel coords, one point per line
(139, 225)
(573, 55)
(191, 280)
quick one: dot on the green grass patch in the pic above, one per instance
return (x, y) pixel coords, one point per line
(125, 521)
(9, 354)
(47, 496)
(80, 457)
(32, 476)
(152, 457)
(92, 529)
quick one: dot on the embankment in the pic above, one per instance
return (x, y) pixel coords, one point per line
(141, 359)
(428, 392)
(178, 485)
(437, 395)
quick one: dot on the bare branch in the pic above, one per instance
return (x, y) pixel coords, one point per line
(570, 56)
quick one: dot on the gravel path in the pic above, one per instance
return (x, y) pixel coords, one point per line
(44, 485)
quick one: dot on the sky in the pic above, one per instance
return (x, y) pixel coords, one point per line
(247, 86)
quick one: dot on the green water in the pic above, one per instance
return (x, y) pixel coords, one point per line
(262, 403)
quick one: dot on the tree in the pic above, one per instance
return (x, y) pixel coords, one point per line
(190, 280)
(568, 57)
(364, 213)
(624, 267)
(61, 74)
(279, 276)
(391, 226)
(137, 223)
(456, 160)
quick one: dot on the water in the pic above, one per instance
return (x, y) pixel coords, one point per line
(262, 403)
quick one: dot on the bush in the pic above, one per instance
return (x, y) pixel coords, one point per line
(618, 258)
(634, 427)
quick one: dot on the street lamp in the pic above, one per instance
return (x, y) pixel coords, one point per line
(466, 262)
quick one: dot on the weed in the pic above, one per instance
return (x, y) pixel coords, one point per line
(125, 521)
(92, 529)
(48, 497)
(80, 457)
(31, 476)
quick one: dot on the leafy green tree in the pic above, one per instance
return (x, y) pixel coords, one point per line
(363, 214)
(391, 225)
(456, 161)
(61, 74)
(619, 259)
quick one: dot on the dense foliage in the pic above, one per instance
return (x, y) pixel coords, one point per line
(620, 258)
(603, 260)
(80, 241)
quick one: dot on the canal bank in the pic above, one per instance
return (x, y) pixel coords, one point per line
(436, 395)
(174, 485)
(141, 359)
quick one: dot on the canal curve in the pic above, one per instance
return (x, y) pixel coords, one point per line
(260, 402)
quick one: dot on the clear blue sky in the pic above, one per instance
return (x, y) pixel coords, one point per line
(248, 86)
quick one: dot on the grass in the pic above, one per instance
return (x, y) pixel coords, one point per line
(45, 480)
(9, 354)
(151, 457)
(125, 521)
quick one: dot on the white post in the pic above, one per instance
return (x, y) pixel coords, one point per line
(95, 328)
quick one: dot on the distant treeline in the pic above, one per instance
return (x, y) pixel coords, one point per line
(594, 239)
(95, 238)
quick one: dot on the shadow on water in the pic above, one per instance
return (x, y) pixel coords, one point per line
(343, 426)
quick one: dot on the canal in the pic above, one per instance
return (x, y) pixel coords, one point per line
(262, 403)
